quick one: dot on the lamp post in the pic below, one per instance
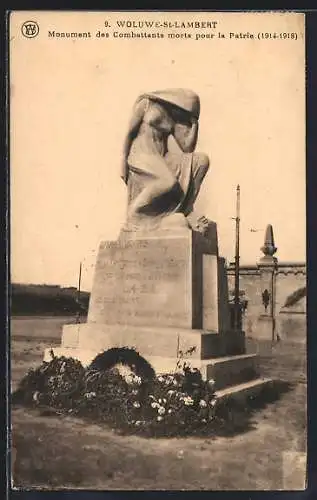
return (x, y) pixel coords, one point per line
(84, 265)
(79, 282)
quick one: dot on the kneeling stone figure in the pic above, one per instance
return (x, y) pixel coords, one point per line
(163, 182)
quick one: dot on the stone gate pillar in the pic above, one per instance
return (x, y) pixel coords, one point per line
(267, 266)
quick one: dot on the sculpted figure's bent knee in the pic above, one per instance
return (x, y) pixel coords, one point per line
(163, 181)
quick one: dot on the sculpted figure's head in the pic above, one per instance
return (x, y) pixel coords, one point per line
(177, 112)
(183, 104)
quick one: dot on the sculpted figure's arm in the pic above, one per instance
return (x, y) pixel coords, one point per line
(139, 111)
(157, 117)
(186, 135)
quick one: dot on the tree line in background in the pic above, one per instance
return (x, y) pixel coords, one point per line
(47, 299)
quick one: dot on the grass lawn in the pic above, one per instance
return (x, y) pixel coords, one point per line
(64, 452)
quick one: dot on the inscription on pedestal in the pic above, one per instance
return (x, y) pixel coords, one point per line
(143, 282)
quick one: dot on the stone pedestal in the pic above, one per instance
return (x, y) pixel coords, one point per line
(162, 292)
(160, 280)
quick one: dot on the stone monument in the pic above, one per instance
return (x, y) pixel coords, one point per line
(162, 288)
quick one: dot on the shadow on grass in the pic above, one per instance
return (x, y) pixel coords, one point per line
(238, 417)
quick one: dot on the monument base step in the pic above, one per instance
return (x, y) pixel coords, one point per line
(165, 342)
(241, 392)
(231, 370)
(225, 371)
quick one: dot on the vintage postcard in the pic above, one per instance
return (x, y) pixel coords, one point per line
(158, 250)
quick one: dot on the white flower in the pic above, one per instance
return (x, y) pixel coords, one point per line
(159, 418)
(136, 404)
(160, 379)
(161, 410)
(36, 396)
(204, 421)
(188, 401)
(211, 381)
(89, 395)
(129, 378)
(169, 411)
(160, 401)
(164, 400)
(202, 403)
(174, 382)
(155, 405)
(138, 422)
(169, 379)
(170, 392)
(137, 380)
(213, 403)
(134, 392)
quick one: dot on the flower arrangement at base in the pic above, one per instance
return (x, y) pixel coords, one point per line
(123, 392)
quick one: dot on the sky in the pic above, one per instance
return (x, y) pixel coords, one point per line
(70, 102)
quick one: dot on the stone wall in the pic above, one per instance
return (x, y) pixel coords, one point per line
(289, 279)
(290, 321)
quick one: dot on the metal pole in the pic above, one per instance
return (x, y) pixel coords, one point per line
(237, 264)
(78, 294)
(79, 282)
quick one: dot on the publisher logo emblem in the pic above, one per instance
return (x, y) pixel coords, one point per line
(30, 29)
